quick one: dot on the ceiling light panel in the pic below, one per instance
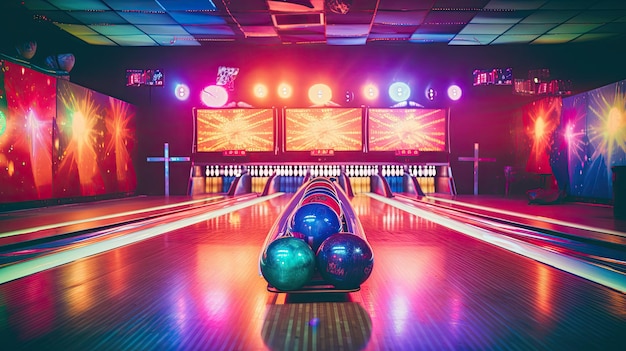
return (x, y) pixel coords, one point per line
(120, 29)
(188, 5)
(134, 5)
(514, 4)
(97, 17)
(80, 5)
(133, 40)
(147, 18)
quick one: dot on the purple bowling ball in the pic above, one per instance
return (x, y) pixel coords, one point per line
(316, 222)
(345, 260)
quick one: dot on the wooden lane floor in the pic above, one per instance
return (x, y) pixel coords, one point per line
(199, 288)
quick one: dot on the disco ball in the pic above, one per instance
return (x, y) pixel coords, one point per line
(338, 6)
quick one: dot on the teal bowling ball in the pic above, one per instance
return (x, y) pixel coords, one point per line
(288, 263)
(345, 260)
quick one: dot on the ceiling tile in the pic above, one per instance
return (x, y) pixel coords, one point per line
(615, 27)
(253, 19)
(220, 30)
(58, 16)
(514, 39)
(184, 17)
(153, 29)
(347, 41)
(555, 38)
(259, 31)
(178, 40)
(449, 17)
(132, 40)
(384, 28)
(347, 30)
(404, 5)
(550, 16)
(573, 28)
(98, 17)
(134, 5)
(76, 29)
(566, 5)
(460, 4)
(440, 28)
(473, 39)
(430, 38)
(499, 17)
(96, 40)
(187, 5)
(147, 18)
(609, 5)
(80, 5)
(595, 36)
(247, 5)
(400, 17)
(485, 29)
(524, 28)
(597, 16)
(119, 29)
(514, 4)
(38, 5)
(352, 17)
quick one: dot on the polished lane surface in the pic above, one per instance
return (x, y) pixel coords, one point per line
(199, 288)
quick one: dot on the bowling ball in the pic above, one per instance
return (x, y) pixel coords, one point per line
(323, 199)
(319, 185)
(287, 263)
(317, 222)
(345, 260)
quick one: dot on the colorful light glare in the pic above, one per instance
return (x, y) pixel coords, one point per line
(614, 121)
(370, 91)
(214, 96)
(3, 123)
(182, 92)
(540, 128)
(285, 90)
(399, 92)
(319, 94)
(454, 92)
(260, 91)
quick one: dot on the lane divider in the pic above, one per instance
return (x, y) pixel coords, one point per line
(609, 278)
(25, 268)
(92, 219)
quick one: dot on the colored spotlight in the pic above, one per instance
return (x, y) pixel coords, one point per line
(370, 91)
(214, 96)
(320, 94)
(431, 94)
(399, 92)
(540, 128)
(285, 90)
(182, 92)
(454, 92)
(260, 91)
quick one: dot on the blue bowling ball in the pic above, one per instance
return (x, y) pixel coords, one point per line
(287, 263)
(316, 221)
(345, 260)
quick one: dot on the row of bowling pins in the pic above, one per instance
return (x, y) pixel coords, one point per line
(422, 171)
(222, 171)
(392, 171)
(361, 170)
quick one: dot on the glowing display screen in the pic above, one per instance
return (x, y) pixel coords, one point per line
(309, 129)
(541, 119)
(27, 110)
(94, 143)
(234, 129)
(416, 129)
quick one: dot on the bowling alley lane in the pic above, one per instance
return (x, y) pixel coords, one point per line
(199, 288)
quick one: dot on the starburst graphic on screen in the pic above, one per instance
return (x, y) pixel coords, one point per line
(326, 128)
(607, 124)
(236, 129)
(419, 129)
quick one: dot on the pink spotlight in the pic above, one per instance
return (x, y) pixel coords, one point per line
(214, 96)
(454, 92)
(182, 92)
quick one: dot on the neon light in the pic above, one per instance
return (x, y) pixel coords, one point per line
(182, 92)
(370, 91)
(285, 90)
(454, 92)
(399, 91)
(589, 271)
(319, 94)
(260, 91)
(25, 268)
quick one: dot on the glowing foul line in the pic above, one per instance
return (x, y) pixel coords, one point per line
(91, 219)
(23, 269)
(521, 215)
(589, 271)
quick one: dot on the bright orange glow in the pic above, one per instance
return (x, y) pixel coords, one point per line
(370, 91)
(319, 94)
(323, 128)
(540, 128)
(260, 91)
(395, 129)
(285, 90)
(614, 121)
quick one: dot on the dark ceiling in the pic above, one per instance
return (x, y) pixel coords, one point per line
(333, 22)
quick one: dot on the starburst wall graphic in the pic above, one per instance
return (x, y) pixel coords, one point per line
(309, 129)
(234, 129)
(58, 139)
(397, 129)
